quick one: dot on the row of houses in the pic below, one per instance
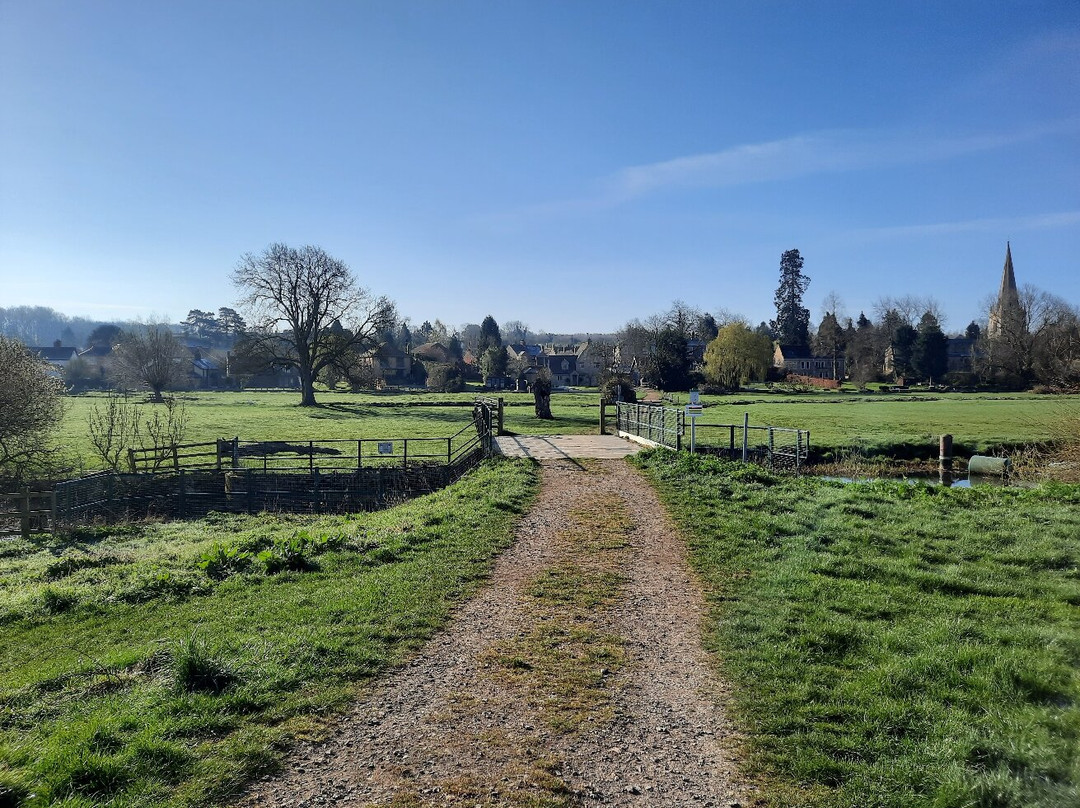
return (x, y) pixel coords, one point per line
(798, 361)
(204, 370)
(569, 365)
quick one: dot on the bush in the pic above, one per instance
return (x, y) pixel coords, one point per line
(618, 388)
(31, 406)
(445, 378)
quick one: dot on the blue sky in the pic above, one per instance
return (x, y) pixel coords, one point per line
(568, 164)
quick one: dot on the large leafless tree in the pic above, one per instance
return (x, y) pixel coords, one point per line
(150, 357)
(308, 311)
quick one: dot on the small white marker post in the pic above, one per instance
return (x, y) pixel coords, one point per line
(745, 437)
(693, 411)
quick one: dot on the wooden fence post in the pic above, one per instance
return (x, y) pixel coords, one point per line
(500, 431)
(24, 512)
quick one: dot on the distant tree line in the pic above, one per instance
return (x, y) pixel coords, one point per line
(905, 341)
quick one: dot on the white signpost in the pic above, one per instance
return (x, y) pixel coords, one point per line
(693, 412)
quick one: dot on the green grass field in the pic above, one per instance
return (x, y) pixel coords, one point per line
(891, 645)
(259, 415)
(897, 425)
(900, 425)
(167, 663)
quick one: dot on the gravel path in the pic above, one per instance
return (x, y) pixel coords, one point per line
(450, 728)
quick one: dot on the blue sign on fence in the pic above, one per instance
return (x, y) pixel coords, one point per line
(386, 447)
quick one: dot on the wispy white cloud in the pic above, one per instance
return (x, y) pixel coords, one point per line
(1041, 221)
(788, 158)
(807, 154)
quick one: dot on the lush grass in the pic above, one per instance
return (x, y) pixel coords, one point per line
(904, 424)
(891, 644)
(258, 415)
(165, 664)
(900, 425)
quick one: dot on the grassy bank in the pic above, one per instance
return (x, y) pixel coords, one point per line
(166, 664)
(891, 644)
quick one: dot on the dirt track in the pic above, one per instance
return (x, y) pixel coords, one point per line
(468, 723)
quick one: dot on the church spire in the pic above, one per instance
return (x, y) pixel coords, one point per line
(1008, 279)
(1007, 316)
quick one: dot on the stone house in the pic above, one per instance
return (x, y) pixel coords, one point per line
(961, 353)
(802, 362)
(56, 355)
(392, 364)
(433, 352)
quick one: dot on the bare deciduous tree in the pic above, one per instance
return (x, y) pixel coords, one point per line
(151, 358)
(911, 308)
(294, 298)
(115, 428)
(1037, 347)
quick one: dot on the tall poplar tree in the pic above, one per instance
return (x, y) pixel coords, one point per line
(792, 323)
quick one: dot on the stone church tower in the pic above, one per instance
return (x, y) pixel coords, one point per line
(1007, 316)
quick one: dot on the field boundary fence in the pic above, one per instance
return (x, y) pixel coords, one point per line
(26, 512)
(777, 447)
(654, 424)
(190, 480)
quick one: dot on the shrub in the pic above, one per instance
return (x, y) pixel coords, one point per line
(618, 388)
(445, 378)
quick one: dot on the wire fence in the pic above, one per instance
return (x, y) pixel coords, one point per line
(191, 480)
(773, 446)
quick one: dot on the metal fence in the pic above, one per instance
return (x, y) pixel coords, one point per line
(773, 446)
(253, 476)
(310, 455)
(654, 423)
